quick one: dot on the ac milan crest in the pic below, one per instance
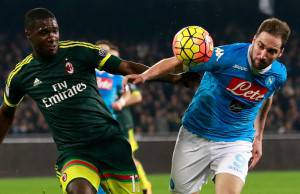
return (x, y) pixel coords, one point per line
(64, 177)
(69, 68)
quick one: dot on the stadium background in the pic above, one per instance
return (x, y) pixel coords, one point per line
(144, 32)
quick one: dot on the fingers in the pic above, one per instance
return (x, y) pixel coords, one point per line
(124, 84)
(254, 160)
(117, 106)
(133, 78)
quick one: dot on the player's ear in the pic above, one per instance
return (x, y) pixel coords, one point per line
(27, 34)
(253, 39)
(281, 52)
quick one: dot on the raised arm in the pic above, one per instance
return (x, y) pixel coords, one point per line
(6, 118)
(259, 126)
(160, 69)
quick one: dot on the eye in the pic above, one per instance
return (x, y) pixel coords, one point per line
(272, 51)
(260, 45)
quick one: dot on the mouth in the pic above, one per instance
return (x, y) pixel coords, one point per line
(260, 64)
(52, 47)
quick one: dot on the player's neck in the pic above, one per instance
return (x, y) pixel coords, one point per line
(43, 58)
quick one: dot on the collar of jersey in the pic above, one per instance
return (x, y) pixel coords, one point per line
(54, 60)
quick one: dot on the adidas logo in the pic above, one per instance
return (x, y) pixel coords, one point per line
(37, 82)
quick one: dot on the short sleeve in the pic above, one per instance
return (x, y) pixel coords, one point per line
(102, 59)
(13, 93)
(282, 77)
(94, 56)
(213, 64)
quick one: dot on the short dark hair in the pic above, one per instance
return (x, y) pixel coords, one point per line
(36, 14)
(275, 27)
(107, 42)
(111, 45)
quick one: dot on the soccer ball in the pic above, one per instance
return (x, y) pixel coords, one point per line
(192, 45)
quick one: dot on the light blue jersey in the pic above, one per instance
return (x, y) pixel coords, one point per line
(230, 94)
(109, 86)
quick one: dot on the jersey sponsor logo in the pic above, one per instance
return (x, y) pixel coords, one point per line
(63, 92)
(219, 53)
(236, 66)
(104, 83)
(37, 82)
(236, 106)
(247, 90)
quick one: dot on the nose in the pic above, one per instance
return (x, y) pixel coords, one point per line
(263, 54)
(52, 36)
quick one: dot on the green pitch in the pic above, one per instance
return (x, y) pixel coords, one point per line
(286, 182)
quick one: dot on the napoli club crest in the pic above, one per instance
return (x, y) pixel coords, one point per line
(69, 68)
(270, 80)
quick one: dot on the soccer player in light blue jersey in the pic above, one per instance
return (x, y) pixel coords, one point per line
(222, 131)
(119, 102)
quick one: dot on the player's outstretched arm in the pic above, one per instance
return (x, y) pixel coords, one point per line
(6, 118)
(259, 126)
(161, 68)
(129, 67)
(158, 72)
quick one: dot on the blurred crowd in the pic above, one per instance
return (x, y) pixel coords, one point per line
(163, 104)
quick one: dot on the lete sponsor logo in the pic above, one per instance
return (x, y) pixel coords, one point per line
(246, 89)
(104, 83)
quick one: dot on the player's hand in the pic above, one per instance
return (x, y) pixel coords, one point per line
(117, 106)
(133, 78)
(190, 79)
(256, 153)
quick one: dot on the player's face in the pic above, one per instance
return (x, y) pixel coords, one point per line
(114, 52)
(266, 48)
(104, 46)
(44, 37)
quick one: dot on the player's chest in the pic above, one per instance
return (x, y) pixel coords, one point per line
(245, 85)
(43, 80)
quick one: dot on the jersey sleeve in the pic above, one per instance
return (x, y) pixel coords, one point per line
(282, 77)
(97, 57)
(217, 61)
(107, 61)
(13, 93)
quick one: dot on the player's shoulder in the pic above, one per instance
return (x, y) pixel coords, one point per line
(23, 63)
(20, 67)
(231, 53)
(279, 69)
(76, 44)
(235, 47)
